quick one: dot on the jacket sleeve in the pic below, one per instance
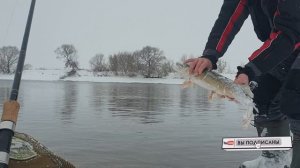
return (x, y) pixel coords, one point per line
(231, 18)
(283, 40)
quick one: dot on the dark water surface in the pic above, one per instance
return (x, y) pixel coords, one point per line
(120, 125)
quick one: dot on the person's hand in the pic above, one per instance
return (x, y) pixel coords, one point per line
(242, 79)
(198, 65)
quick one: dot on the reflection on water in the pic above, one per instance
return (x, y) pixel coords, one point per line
(69, 101)
(129, 125)
(144, 102)
(5, 92)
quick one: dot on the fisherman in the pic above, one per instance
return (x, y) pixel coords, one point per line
(275, 66)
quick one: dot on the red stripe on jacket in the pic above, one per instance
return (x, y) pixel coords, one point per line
(297, 46)
(265, 46)
(277, 13)
(235, 16)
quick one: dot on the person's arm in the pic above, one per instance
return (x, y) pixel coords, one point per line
(283, 40)
(231, 18)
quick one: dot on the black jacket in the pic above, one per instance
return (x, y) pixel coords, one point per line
(276, 23)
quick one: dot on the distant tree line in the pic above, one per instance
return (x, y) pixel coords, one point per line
(150, 62)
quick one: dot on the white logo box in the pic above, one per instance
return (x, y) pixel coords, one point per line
(257, 143)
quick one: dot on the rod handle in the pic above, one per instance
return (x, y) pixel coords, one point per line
(10, 111)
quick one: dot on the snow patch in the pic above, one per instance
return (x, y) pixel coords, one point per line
(88, 76)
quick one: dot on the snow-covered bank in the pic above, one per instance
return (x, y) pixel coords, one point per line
(84, 75)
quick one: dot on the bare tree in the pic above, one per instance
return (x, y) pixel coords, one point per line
(98, 63)
(128, 63)
(113, 63)
(150, 61)
(166, 68)
(124, 63)
(8, 58)
(68, 53)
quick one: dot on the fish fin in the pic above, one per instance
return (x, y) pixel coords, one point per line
(233, 99)
(214, 95)
(186, 84)
(211, 95)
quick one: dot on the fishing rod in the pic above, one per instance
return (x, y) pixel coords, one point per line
(11, 107)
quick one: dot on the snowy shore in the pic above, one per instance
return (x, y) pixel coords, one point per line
(85, 75)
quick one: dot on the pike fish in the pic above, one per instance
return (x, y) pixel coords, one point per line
(220, 86)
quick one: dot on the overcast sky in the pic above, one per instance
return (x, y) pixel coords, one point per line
(178, 27)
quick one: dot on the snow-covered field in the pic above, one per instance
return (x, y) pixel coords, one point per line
(85, 75)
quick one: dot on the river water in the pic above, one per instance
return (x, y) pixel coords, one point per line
(119, 125)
